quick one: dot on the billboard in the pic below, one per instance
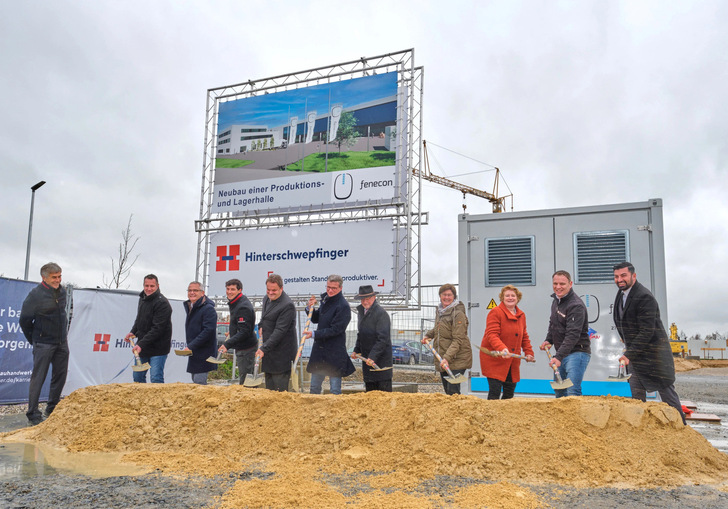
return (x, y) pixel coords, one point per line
(304, 256)
(320, 146)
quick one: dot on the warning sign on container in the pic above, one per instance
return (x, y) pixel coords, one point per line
(492, 304)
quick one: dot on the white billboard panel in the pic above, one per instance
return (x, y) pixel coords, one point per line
(299, 191)
(308, 137)
(304, 256)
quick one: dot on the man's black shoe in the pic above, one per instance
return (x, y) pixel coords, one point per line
(35, 421)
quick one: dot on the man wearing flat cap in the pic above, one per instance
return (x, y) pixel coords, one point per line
(373, 341)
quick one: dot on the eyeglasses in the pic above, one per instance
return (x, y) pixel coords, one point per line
(193, 291)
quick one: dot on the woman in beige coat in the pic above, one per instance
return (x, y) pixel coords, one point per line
(449, 337)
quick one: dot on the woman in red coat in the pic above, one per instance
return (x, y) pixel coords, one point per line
(505, 335)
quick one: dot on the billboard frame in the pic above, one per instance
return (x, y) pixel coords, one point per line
(406, 215)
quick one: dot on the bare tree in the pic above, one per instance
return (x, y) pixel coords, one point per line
(120, 268)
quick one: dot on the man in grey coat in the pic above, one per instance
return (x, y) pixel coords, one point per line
(277, 327)
(647, 353)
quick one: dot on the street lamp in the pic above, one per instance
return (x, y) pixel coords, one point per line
(30, 225)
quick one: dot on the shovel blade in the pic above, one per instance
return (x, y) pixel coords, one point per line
(253, 381)
(183, 353)
(215, 360)
(565, 384)
(141, 367)
(295, 385)
(457, 379)
(619, 378)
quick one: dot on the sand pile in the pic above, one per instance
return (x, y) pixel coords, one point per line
(682, 365)
(293, 445)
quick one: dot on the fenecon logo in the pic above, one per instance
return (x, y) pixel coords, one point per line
(101, 342)
(227, 258)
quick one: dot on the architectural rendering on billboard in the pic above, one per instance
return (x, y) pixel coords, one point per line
(319, 146)
(297, 164)
(304, 256)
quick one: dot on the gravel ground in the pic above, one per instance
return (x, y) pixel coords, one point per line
(28, 489)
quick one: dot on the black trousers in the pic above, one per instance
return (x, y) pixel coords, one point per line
(46, 356)
(381, 385)
(451, 389)
(246, 362)
(495, 386)
(667, 394)
(277, 381)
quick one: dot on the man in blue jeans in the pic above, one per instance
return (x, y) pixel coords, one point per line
(328, 354)
(153, 330)
(569, 333)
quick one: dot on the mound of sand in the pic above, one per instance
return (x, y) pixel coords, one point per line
(686, 365)
(388, 443)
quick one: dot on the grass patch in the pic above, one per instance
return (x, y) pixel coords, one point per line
(344, 161)
(232, 163)
(223, 371)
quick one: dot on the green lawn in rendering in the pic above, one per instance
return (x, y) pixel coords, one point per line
(232, 163)
(344, 161)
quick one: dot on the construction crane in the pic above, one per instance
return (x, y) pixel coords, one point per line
(499, 202)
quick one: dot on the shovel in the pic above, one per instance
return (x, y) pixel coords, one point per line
(621, 375)
(452, 378)
(498, 354)
(183, 353)
(294, 374)
(374, 366)
(216, 360)
(558, 383)
(138, 366)
(256, 379)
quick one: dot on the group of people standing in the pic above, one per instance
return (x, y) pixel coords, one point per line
(647, 353)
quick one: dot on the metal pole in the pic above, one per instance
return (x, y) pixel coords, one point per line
(30, 226)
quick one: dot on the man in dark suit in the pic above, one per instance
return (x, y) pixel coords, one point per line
(647, 353)
(277, 328)
(373, 341)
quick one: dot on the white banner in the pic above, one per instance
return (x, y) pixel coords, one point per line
(327, 189)
(99, 354)
(304, 256)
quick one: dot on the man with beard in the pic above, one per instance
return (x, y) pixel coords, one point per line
(153, 330)
(647, 353)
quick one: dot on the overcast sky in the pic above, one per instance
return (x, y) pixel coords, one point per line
(579, 103)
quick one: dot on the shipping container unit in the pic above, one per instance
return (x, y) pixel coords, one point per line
(525, 248)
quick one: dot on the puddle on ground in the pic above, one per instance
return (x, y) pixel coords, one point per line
(25, 460)
(715, 433)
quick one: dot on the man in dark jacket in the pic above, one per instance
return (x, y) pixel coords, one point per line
(569, 333)
(277, 327)
(328, 355)
(647, 353)
(200, 332)
(153, 330)
(241, 336)
(373, 341)
(45, 325)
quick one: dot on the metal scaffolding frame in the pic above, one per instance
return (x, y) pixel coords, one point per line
(406, 215)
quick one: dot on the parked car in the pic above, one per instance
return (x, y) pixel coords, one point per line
(222, 330)
(410, 352)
